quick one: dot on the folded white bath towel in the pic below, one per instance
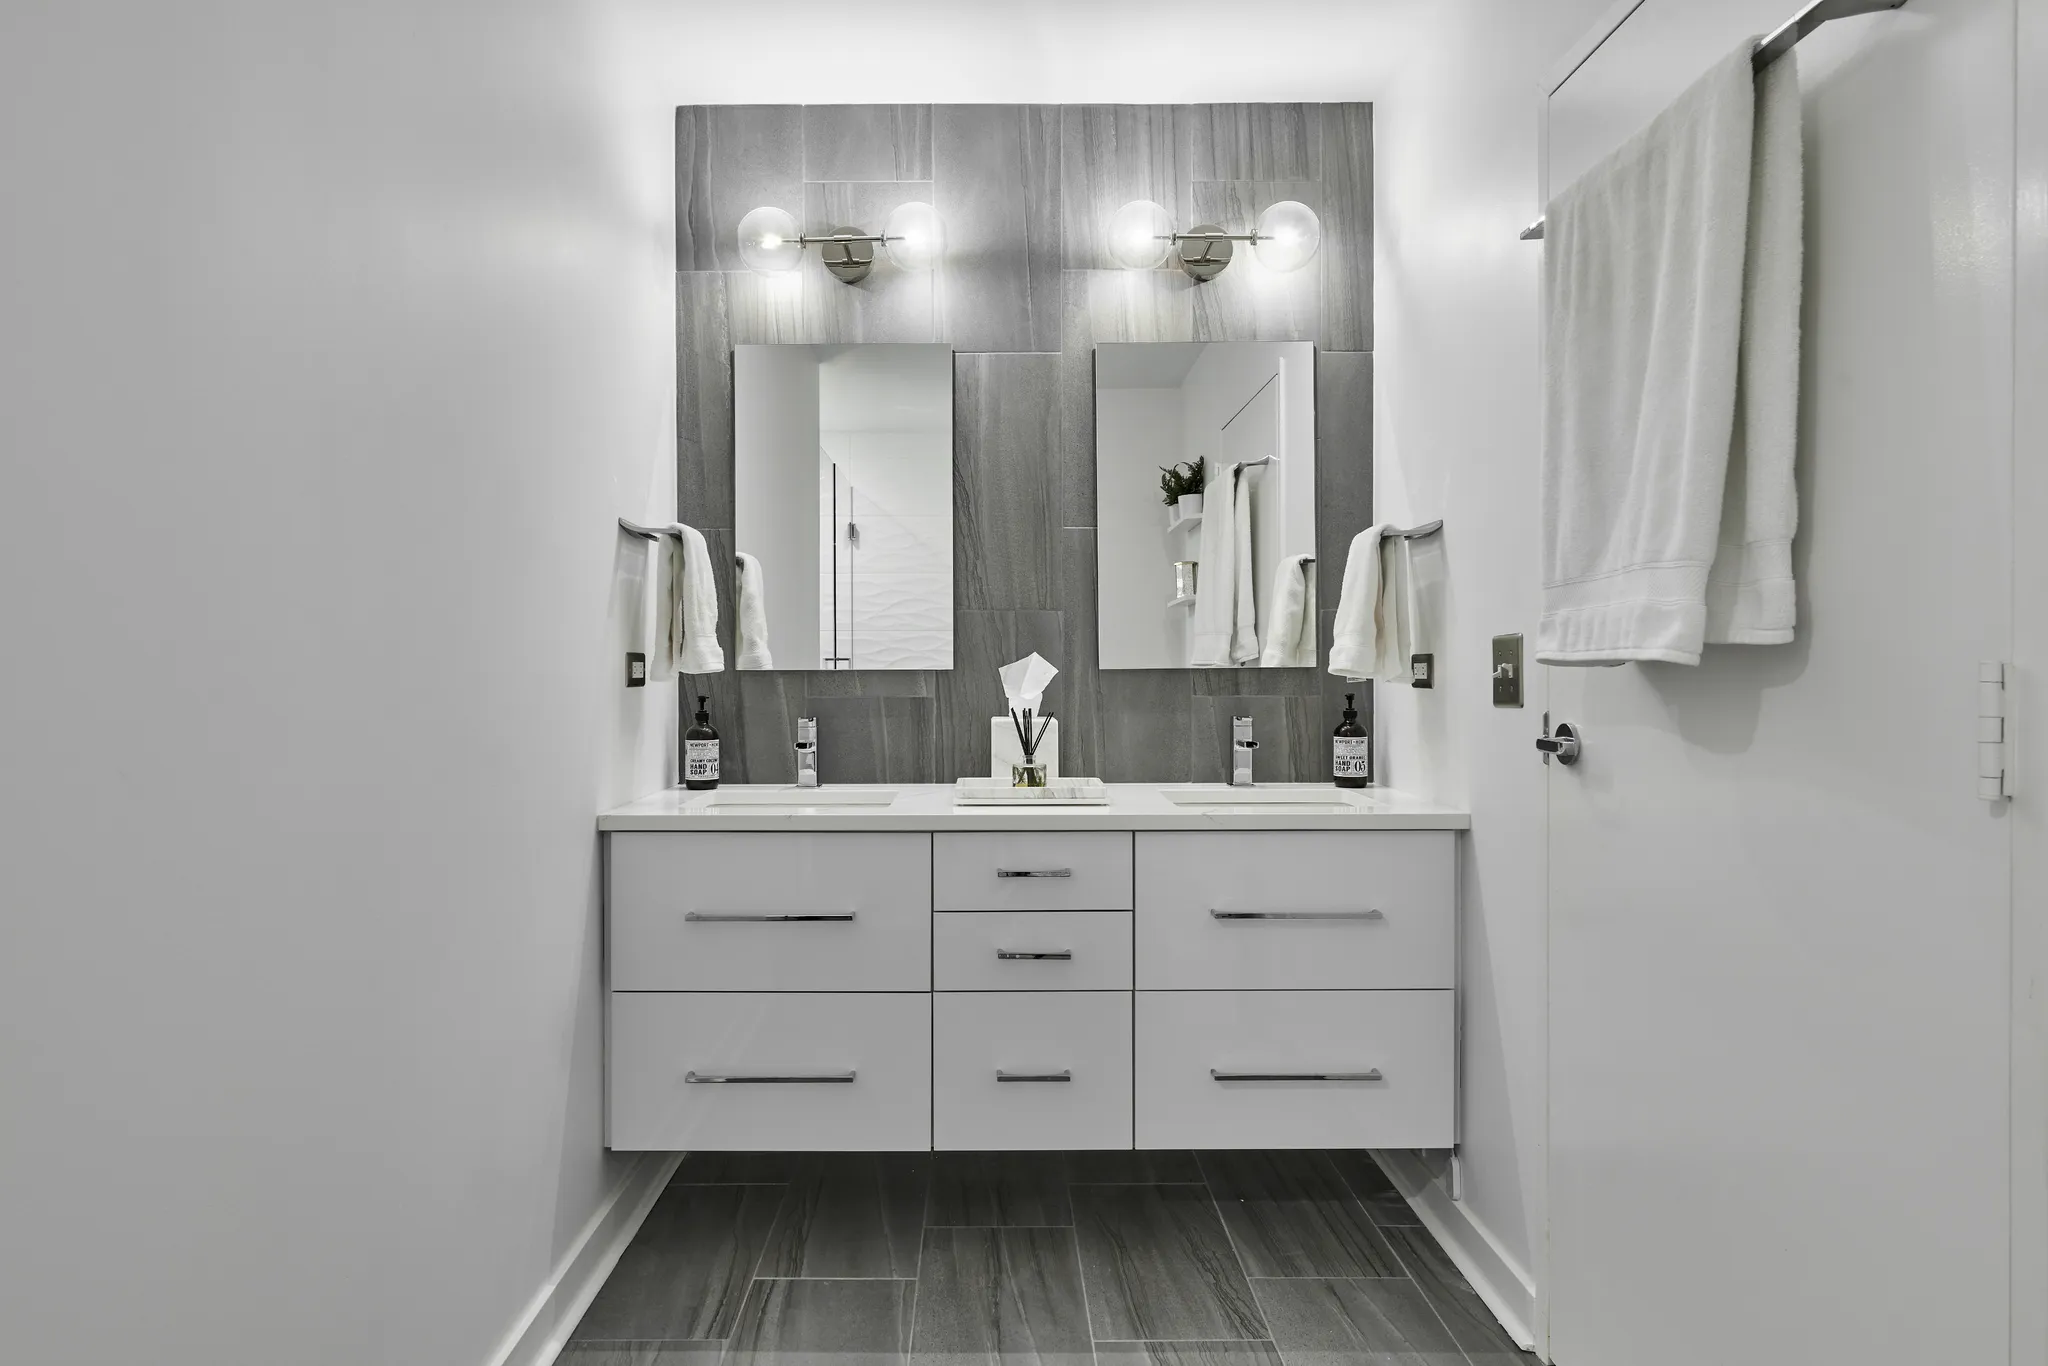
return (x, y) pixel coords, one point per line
(753, 616)
(1751, 598)
(1362, 646)
(689, 615)
(1212, 634)
(1644, 269)
(1291, 615)
(1244, 633)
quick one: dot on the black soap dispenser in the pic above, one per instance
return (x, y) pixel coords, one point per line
(1350, 749)
(700, 751)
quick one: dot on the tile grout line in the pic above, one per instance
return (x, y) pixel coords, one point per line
(1216, 1206)
(1407, 1272)
(923, 1229)
(1081, 1273)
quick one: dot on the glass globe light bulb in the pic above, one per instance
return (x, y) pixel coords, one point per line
(915, 236)
(1288, 235)
(1139, 235)
(770, 241)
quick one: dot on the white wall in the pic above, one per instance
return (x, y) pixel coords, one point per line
(2029, 702)
(335, 338)
(1138, 431)
(1457, 437)
(780, 492)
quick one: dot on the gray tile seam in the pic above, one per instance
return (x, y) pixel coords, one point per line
(1231, 1240)
(1423, 1290)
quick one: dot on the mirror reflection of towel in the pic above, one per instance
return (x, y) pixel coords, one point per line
(753, 623)
(1225, 629)
(1291, 615)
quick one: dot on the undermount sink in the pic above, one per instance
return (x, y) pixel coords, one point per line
(758, 801)
(1222, 800)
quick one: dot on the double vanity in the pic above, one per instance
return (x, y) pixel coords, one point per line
(882, 969)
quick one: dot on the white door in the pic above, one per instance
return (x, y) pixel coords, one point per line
(1779, 915)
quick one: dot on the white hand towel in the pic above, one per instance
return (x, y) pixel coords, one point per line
(1643, 266)
(689, 643)
(1213, 631)
(1750, 593)
(753, 622)
(1244, 631)
(1362, 647)
(1291, 615)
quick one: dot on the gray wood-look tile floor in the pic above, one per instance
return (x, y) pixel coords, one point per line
(1036, 1259)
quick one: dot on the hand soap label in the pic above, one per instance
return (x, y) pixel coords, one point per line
(700, 761)
(1351, 756)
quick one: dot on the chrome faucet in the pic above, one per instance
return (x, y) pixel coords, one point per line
(1241, 747)
(807, 751)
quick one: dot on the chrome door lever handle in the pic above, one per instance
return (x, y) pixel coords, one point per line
(1563, 742)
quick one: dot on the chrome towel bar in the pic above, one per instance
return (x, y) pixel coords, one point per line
(1780, 41)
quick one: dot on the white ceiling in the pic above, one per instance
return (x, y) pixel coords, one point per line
(903, 388)
(1046, 51)
(1145, 365)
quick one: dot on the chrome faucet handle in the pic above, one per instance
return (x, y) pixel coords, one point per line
(1241, 747)
(807, 751)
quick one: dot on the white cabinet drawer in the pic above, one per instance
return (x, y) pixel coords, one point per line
(1032, 951)
(1319, 1049)
(770, 912)
(1067, 1057)
(1297, 909)
(1054, 871)
(854, 1070)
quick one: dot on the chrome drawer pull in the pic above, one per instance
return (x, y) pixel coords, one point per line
(1034, 872)
(1061, 955)
(721, 918)
(1298, 915)
(765, 1078)
(1062, 1075)
(1372, 1074)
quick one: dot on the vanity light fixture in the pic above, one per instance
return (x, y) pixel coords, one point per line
(1285, 238)
(771, 243)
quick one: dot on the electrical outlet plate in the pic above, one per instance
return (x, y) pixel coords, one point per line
(636, 669)
(1507, 670)
(1422, 671)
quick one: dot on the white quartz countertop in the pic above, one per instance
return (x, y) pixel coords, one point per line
(1132, 806)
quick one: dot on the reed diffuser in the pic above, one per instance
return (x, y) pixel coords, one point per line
(1030, 773)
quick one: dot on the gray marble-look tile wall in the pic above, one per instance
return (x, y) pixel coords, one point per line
(1024, 293)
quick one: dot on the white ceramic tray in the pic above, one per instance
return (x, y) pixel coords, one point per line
(1057, 792)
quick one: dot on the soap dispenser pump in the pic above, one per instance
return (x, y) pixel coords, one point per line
(1350, 749)
(700, 751)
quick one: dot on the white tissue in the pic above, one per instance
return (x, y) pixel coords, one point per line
(1025, 682)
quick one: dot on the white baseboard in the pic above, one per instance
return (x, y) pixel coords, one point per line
(537, 1338)
(1507, 1289)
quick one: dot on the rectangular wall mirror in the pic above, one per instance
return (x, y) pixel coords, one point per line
(1243, 414)
(843, 490)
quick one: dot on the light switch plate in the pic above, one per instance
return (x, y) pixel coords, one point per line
(1507, 670)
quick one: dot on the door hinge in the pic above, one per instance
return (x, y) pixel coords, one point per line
(1994, 731)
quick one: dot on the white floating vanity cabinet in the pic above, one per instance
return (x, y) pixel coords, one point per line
(1033, 989)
